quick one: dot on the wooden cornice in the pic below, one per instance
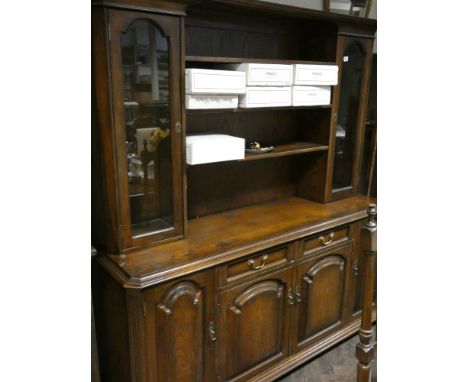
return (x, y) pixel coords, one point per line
(344, 23)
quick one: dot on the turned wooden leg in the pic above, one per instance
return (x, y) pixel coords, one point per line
(365, 347)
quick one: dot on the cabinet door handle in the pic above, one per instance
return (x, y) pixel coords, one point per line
(356, 270)
(212, 332)
(254, 267)
(290, 297)
(298, 295)
(325, 242)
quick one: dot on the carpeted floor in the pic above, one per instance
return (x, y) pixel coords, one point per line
(336, 365)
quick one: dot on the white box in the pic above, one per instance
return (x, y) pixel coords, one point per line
(311, 95)
(315, 74)
(262, 96)
(207, 81)
(211, 101)
(208, 148)
(266, 74)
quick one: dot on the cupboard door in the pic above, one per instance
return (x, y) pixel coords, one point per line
(320, 296)
(349, 107)
(178, 319)
(357, 275)
(146, 71)
(253, 326)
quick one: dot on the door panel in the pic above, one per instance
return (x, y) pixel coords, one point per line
(357, 275)
(320, 296)
(145, 68)
(253, 326)
(353, 58)
(177, 323)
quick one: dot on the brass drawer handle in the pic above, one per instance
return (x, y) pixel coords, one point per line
(324, 242)
(254, 267)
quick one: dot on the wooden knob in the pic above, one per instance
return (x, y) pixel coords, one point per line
(372, 212)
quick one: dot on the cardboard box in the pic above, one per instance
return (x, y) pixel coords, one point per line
(311, 95)
(211, 101)
(266, 74)
(209, 148)
(315, 74)
(263, 96)
(208, 81)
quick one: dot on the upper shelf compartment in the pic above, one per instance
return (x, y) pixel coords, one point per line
(217, 36)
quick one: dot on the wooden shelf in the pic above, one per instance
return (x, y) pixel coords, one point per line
(251, 109)
(295, 148)
(230, 60)
(289, 149)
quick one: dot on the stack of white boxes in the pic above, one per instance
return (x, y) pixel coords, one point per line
(268, 85)
(312, 84)
(275, 85)
(257, 85)
(213, 89)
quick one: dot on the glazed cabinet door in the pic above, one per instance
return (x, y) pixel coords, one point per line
(253, 326)
(146, 71)
(354, 57)
(320, 296)
(178, 330)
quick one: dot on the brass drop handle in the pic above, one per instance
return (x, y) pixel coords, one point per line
(298, 295)
(212, 331)
(290, 297)
(325, 242)
(356, 270)
(254, 267)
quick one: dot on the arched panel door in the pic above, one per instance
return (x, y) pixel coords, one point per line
(349, 106)
(321, 289)
(253, 326)
(145, 63)
(177, 331)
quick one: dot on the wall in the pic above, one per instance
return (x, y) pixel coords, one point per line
(318, 4)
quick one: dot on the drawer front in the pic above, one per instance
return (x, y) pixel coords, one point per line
(326, 239)
(253, 265)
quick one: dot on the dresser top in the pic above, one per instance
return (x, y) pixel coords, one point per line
(222, 237)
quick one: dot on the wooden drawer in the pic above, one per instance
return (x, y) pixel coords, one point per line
(326, 239)
(253, 265)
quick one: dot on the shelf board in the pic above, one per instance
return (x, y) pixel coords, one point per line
(295, 148)
(289, 149)
(250, 109)
(230, 60)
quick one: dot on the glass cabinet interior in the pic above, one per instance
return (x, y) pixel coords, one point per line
(348, 118)
(146, 100)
